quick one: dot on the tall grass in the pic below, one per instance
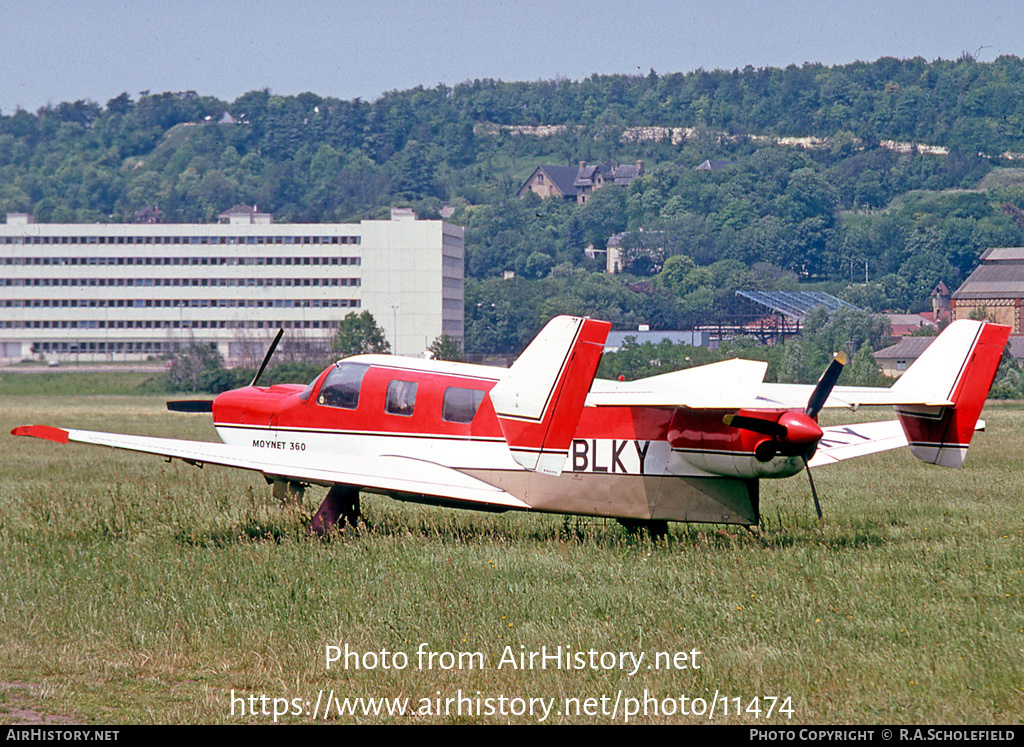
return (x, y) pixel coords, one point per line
(132, 590)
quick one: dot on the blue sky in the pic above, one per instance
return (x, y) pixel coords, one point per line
(62, 50)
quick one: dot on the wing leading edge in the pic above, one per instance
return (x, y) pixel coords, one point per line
(390, 474)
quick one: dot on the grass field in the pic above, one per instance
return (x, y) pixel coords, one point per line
(15, 382)
(132, 590)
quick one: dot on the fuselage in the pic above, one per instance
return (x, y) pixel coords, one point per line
(545, 435)
(623, 461)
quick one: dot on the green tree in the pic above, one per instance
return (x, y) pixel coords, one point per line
(446, 348)
(603, 214)
(414, 173)
(1009, 381)
(863, 369)
(981, 314)
(850, 330)
(192, 368)
(358, 334)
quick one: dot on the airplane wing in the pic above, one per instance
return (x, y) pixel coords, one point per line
(931, 381)
(842, 442)
(848, 441)
(738, 384)
(727, 384)
(852, 397)
(385, 473)
(765, 396)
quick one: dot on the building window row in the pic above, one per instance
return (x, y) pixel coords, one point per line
(256, 261)
(151, 347)
(175, 303)
(183, 282)
(177, 324)
(254, 240)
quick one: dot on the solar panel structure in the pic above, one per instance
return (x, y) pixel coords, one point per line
(795, 304)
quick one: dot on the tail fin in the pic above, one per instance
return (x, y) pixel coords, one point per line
(955, 374)
(540, 401)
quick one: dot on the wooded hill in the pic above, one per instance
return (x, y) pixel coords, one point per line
(908, 174)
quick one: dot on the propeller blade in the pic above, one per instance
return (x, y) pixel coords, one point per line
(190, 405)
(824, 387)
(266, 358)
(814, 493)
(757, 425)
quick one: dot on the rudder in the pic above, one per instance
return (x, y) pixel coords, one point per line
(955, 374)
(540, 401)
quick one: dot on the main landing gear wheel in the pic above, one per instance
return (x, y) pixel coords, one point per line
(339, 509)
(655, 528)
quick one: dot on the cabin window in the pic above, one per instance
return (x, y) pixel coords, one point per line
(460, 405)
(341, 387)
(401, 398)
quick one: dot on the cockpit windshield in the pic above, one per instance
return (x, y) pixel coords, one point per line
(304, 396)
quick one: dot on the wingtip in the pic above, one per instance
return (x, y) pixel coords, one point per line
(47, 432)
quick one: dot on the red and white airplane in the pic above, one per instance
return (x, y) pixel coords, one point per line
(545, 435)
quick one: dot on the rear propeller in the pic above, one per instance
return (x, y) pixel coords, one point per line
(794, 433)
(824, 387)
(206, 405)
(817, 400)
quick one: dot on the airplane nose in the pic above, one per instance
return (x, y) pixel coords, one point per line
(802, 433)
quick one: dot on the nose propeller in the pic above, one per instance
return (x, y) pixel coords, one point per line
(206, 405)
(795, 433)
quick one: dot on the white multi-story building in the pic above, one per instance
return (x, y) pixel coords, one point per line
(113, 292)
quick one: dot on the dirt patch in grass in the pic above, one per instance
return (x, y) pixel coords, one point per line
(20, 704)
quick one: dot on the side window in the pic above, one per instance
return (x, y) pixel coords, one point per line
(460, 405)
(401, 398)
(341, 387)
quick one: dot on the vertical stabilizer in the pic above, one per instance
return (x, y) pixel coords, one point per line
(955, 373)
(540, 401)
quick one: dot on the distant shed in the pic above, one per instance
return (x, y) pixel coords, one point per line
(772, 316)
(904, 324)
(996, 286)
(896, 359)
(694, 338)
(714, 164)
